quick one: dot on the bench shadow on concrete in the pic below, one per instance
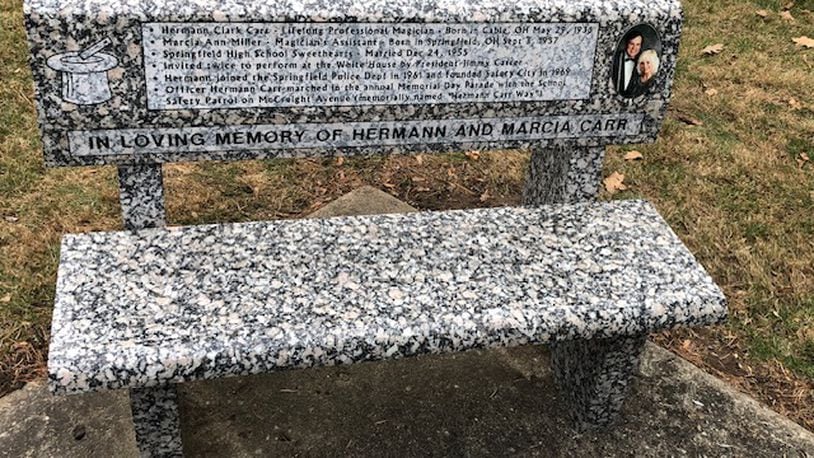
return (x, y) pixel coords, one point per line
(479, 403)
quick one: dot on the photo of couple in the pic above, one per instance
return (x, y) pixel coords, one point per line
(636, 61)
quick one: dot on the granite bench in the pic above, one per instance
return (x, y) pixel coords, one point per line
(157, 307)
(140, 85)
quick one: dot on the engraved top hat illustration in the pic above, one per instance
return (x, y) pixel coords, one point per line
(84, 73)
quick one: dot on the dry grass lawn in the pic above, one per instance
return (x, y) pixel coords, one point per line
(737, 188)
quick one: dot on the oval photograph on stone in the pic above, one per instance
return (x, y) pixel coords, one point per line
(636, 61)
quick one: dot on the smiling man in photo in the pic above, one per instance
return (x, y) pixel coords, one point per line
(624, 68)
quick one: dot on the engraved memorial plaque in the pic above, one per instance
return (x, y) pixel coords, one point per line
(208, 80)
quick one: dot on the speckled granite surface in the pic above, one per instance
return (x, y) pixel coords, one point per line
(562, 175)
(141, 194)
(115, 97)
(595, 376)
(168, 305)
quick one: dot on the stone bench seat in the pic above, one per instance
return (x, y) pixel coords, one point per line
(160, 306)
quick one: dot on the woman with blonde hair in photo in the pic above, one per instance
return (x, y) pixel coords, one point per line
(647, 67)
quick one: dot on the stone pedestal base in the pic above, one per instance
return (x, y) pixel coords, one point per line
(156, 420)
(595, 375)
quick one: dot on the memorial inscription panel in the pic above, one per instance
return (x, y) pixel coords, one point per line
(357, 134)
(234, 80)
(240, 65)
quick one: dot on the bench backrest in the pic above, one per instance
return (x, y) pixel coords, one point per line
(137, 85)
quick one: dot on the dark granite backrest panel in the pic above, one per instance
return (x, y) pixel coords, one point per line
(166, 80)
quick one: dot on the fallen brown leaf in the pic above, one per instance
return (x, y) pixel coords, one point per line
(686, 119)
(614, 183)
(787, 16)
(485, 196)
(419, 159)
(762, 13)
(795, 104)
(802, 159)
(6, 298)
(712, 92)
(633, 156)
(473, 155)
(711, 50)
(340, 160)
(804, 41)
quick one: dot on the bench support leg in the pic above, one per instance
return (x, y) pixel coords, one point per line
(141, 192)
(155, 410)
(595, 375)
(155, 417)
(562, 175)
